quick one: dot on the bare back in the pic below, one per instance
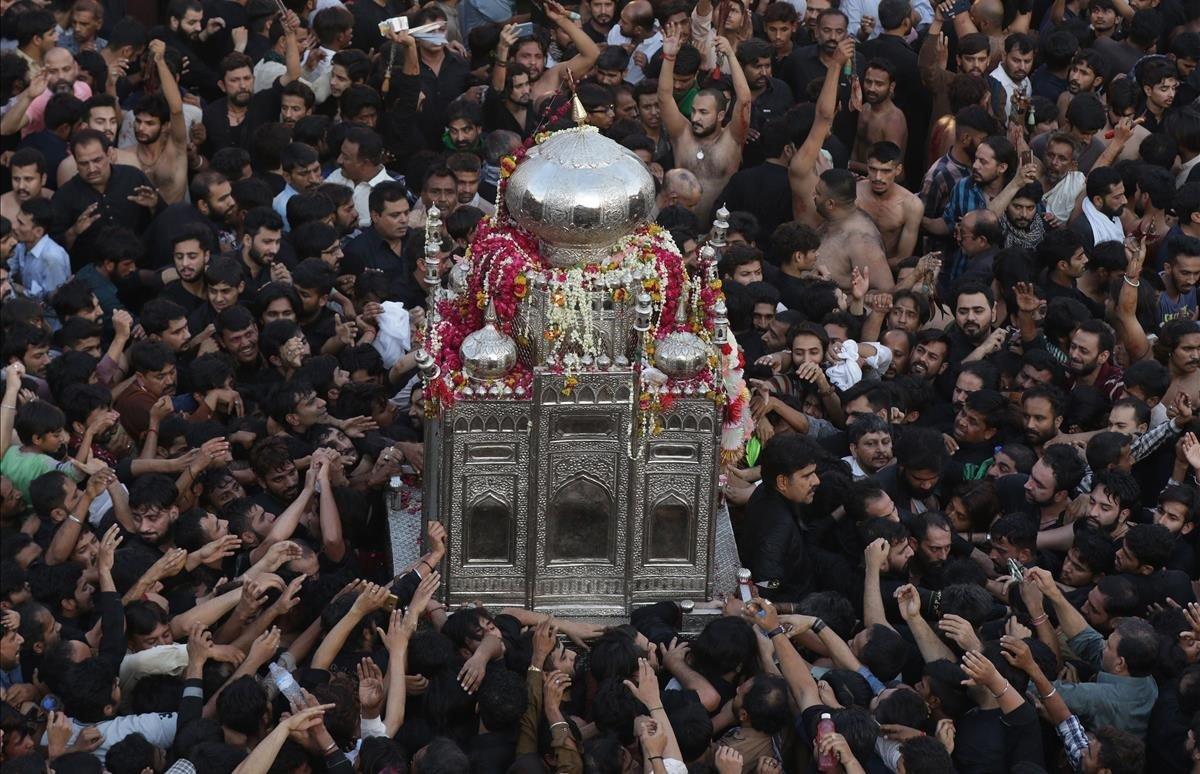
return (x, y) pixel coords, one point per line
(854, 242)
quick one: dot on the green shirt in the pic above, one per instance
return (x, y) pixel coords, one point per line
(685, 101)
(23, 467)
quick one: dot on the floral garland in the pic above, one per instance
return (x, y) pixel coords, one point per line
(506, 266)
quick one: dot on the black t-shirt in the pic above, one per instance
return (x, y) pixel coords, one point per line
(320, 329)
(263, 108)
(175, 291)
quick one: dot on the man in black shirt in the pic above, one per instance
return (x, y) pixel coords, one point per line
(232, 119)
(110, 194)
(764, 189)
(381, 246)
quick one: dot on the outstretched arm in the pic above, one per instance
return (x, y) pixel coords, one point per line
(800, 168)
(672, 118)
(587, 50)
(170, 92)
(740, 125)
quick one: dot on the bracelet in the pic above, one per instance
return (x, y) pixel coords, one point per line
(532, 668)
(427, 564)
(778, 630)
(1041, 619)
(558, 723)
(74, 518)
(1131, 284)
(5, 405)
(1007, 685)
(331, 748)
(669, 58)
(818, 626)
(1053, 691)
(656, 757)
(656, 709)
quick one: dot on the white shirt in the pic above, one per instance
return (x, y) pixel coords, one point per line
(362, 192)
(157, 727)
(649, 47)
(1185, 170)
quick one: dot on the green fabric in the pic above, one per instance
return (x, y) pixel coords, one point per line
(753, 449)
(23, 467)
(685, 102)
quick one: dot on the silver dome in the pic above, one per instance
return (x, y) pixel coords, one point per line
(487, 353)
(579, 193)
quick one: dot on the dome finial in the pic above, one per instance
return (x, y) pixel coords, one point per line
(578, 111)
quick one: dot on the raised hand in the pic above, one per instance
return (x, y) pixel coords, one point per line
(875, 555)
(264, 646)
(844, 52)
(1027, 300)
(372, 598)
(980, 670)
(1016, 652)
(651, 737)
(945, 734)
(371, 691)
(646, 688)
(860, 282)
(555, 687)
(960, 631)
(728, 760)
(909, 602)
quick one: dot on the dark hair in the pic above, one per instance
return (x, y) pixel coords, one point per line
(1094, 550)
(37, 417)
(242, 705)
(386, 193)
(766, 704)
(785, 454)
(916, 450)
(1120, 751)
(1138, 645)
(925, 754)
(88, 689)
(1150, 544)
(884, 653)
(1064, 461)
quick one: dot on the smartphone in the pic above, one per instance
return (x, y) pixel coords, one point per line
(524, 30)
(960, 6)
(1026, 157)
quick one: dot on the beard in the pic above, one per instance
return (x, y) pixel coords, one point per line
(145, 138)
(700, 130)
(241, 98)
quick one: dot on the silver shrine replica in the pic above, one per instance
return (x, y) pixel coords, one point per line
(581, 388)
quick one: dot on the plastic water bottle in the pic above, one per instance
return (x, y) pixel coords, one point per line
(286, 684)
(745, 587)
(826, 761)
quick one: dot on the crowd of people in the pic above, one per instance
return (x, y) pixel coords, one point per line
(960, 249)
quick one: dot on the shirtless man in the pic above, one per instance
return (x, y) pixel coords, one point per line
(895, 211)
(162, 145)
(28, 168)
(529, 53)
(103, 115)
(808, 162)
(849, 240)
(879, 119)
(702, 145)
